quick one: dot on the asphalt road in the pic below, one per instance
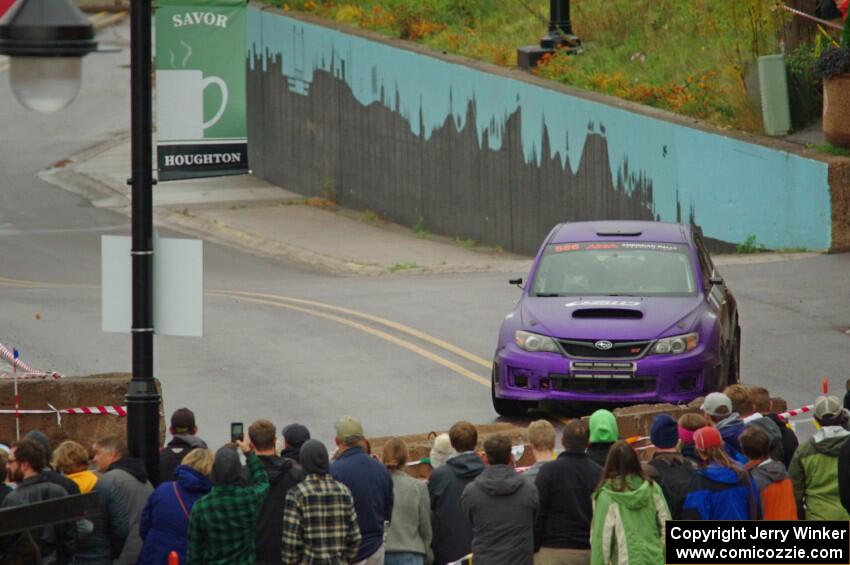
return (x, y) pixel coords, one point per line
(273, 357)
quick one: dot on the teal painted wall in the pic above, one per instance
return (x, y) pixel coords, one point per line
(732, 188)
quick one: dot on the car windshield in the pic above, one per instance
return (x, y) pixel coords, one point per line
(615, 268)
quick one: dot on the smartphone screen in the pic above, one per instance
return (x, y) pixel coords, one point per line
(237, 431)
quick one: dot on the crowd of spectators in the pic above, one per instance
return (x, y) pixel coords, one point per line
(288, 500)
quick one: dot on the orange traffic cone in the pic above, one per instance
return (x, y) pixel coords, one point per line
(173, 558)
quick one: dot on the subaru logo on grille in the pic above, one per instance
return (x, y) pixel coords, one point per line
(604, 345)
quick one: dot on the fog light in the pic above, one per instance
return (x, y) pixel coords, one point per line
(545, 384)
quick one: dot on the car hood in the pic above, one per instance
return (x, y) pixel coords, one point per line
(614, 318)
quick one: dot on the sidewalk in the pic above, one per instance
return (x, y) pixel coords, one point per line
(252, 215)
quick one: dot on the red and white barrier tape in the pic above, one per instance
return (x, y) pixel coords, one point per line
(30, 376)
(797, 412)
(9, 357)
(120, 411)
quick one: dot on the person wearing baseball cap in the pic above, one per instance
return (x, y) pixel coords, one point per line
(294, 436)
(721, 490)
(371, 486)
(184, 440)
(717, 408)
(815, 469)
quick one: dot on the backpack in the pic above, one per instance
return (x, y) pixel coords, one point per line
(673, 476)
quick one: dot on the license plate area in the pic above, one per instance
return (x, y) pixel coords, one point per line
(602, 370)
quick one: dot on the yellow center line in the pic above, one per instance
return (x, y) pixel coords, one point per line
(5, 281)
(370, 330)
(109, 20)
(377, 319)
(276, 301)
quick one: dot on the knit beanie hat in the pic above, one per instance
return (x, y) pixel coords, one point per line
(314, 457)
(664, 433)
(686, 436)
(441, 451)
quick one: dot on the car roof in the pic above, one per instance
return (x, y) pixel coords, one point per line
(619, 230)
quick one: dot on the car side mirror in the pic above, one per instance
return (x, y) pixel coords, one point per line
(716, 280)
(516, 282)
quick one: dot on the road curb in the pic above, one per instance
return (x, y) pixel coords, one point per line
(104, 191)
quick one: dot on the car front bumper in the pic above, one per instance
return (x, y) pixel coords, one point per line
(525, 376)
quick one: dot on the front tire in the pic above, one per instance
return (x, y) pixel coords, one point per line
(733, 373)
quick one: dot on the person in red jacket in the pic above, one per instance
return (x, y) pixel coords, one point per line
(774, 485)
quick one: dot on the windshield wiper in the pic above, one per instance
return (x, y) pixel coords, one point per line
(621, 295)
(547, 295)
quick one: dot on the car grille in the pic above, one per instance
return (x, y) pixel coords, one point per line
(587, 350)
(631, 385)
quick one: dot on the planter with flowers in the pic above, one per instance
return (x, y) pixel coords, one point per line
(834, 67)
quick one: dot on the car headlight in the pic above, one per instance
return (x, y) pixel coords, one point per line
(534, 342)
(676, 344)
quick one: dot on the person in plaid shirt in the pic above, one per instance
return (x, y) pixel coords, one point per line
(319, 521)
(221, 524)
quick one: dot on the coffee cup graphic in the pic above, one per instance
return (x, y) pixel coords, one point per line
(180, 104)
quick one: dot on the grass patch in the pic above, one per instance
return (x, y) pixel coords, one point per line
(750, 245)
(419, 229)
(402, 267)
(468, 243)
(791, 250)
(687, 57)
(831, 149)
(370, 217)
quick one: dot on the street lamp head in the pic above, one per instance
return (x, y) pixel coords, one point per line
(45, 41)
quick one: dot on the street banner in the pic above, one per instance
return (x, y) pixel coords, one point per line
(201, 51)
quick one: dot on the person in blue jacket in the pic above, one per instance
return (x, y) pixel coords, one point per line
(165, 519)
(721, 490)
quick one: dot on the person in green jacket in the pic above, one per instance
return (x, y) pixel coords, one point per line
(814, 467)
(603, 434)
(222, 523)
(629, 513)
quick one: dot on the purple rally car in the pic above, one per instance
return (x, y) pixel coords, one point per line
(617, 312)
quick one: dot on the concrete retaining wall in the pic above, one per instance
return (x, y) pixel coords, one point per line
(499, 156)
(70, 392)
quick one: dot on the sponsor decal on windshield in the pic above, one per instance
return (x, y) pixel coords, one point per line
(602, 303)
(648, 246)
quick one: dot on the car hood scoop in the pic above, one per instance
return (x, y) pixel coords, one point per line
(607, 314)
(617, 319)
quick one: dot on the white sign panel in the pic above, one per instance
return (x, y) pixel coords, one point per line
(178, 286)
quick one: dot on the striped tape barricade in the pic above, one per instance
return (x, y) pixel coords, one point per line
(119, 411)
(796, 412)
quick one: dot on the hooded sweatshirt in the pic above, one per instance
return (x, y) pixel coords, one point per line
(720, 493)
(814, 472)
(501, 506)
(129, 480)
(165, 524)
(603, 434)
(775, 489)
(451, 529)
(628, 525)
(283, 473)
(172, 454)
(730, 429)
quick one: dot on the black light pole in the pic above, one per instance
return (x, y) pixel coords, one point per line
(46, 40)
(142, 397)
(560, 36)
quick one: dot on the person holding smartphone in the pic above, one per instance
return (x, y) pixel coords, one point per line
(222, 524)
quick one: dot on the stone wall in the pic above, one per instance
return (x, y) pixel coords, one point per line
(70, 392)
